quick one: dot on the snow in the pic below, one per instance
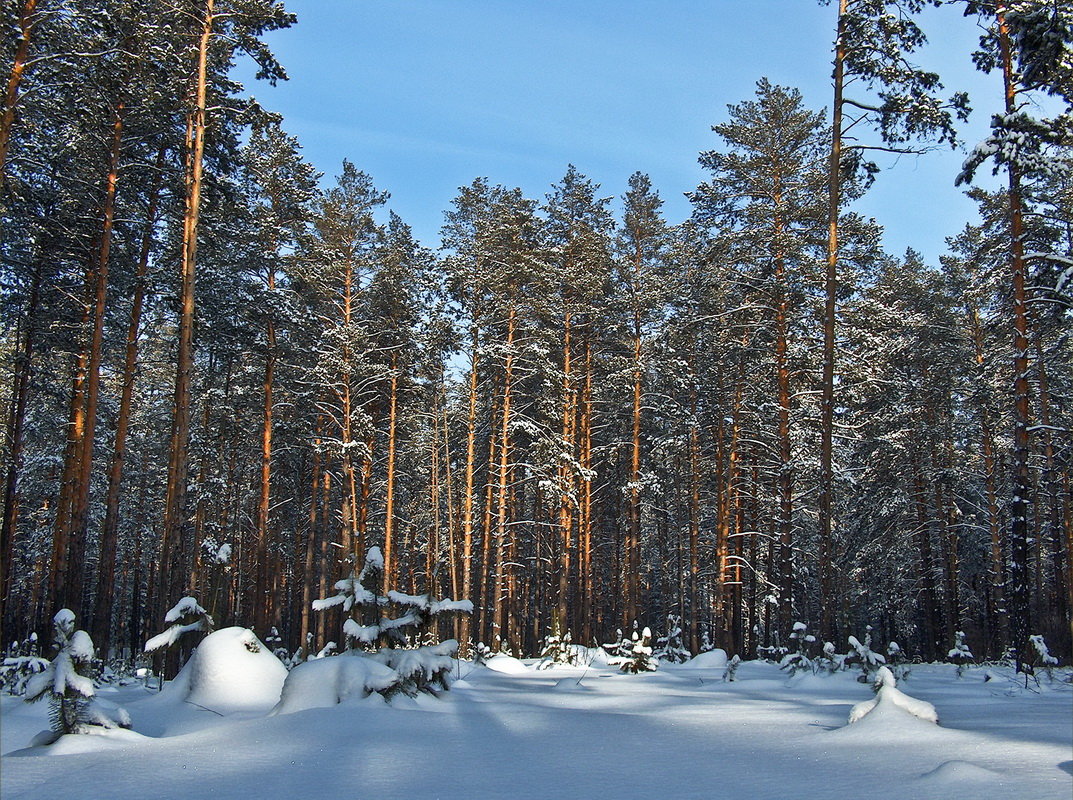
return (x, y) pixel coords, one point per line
(326, 682)
(713, 659)
(527, 734)
(188, 606)
(231, 670)
(889, 700)
(171, 635)
(509, 665)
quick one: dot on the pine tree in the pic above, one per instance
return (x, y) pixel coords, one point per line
(67, 681)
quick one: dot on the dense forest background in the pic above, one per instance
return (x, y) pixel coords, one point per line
(225, 377)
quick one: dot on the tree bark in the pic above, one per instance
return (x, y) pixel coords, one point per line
(18, 70)
(1017, 593)
(105, 600)
(173, 559)
(827, 402)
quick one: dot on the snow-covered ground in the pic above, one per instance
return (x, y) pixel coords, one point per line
(510, 732)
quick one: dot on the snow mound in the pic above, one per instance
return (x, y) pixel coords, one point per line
(92, 740)
(325, 682)
(508, 665)
(713, 659)
(231, 670)
(957, 773)
(890, 701)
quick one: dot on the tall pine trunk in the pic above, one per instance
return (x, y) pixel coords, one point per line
(18, 70)
(173, 566)
(827, 396)
(1017, 593)
(105, 595)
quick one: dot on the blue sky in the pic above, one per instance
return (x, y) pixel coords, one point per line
(426, 95)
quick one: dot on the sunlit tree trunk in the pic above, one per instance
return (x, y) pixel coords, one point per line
(15, 76)
(105, 602)
(173, 560)
(827, 401)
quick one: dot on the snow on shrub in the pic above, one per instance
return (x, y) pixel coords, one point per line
(640, 658)
(186, 616)
(1043, 659)
(960, 653)
(68, 684)
(669, 647)
(891, 700)
(424, 669)
(22, 660)
(326, 682)
(715, 658)
(868, 659)
(799, 660)
(231, 670)
(557, 650)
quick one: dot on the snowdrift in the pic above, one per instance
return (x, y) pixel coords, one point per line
(713, 659)
(231, 670)
(326, 682)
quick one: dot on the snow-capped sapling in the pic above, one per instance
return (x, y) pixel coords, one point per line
(889, 696)
(960, 653)
(67, 681)
(640, 658)
(1043, 659)
(799, 660)
(897, 661)
(384, 638)
(185, 617)
(669, 647)
(869, 660)
(22, 660)
(557, 650)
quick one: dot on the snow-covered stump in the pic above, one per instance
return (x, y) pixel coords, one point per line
(891, 704)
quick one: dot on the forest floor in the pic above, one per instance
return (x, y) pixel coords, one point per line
(514, 732)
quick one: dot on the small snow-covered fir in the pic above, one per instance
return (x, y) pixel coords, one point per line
(888, 696)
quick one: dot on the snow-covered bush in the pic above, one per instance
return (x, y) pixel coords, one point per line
(960, 653)
(799, 660)
(706, 643)
(640, 658)
(185, 617)
(424, 669)
(325, 682)
(275, 643)
(732, 668)
(368, 626)
(67, 681)
(557, 650)
(829, 661)
(389, 639)
(772, 653)
(481, 653)
(1043, 660)
(862, 653)
(621, 648)
(897, 661)
(669, 647)
(22, 660)
(889, 699)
